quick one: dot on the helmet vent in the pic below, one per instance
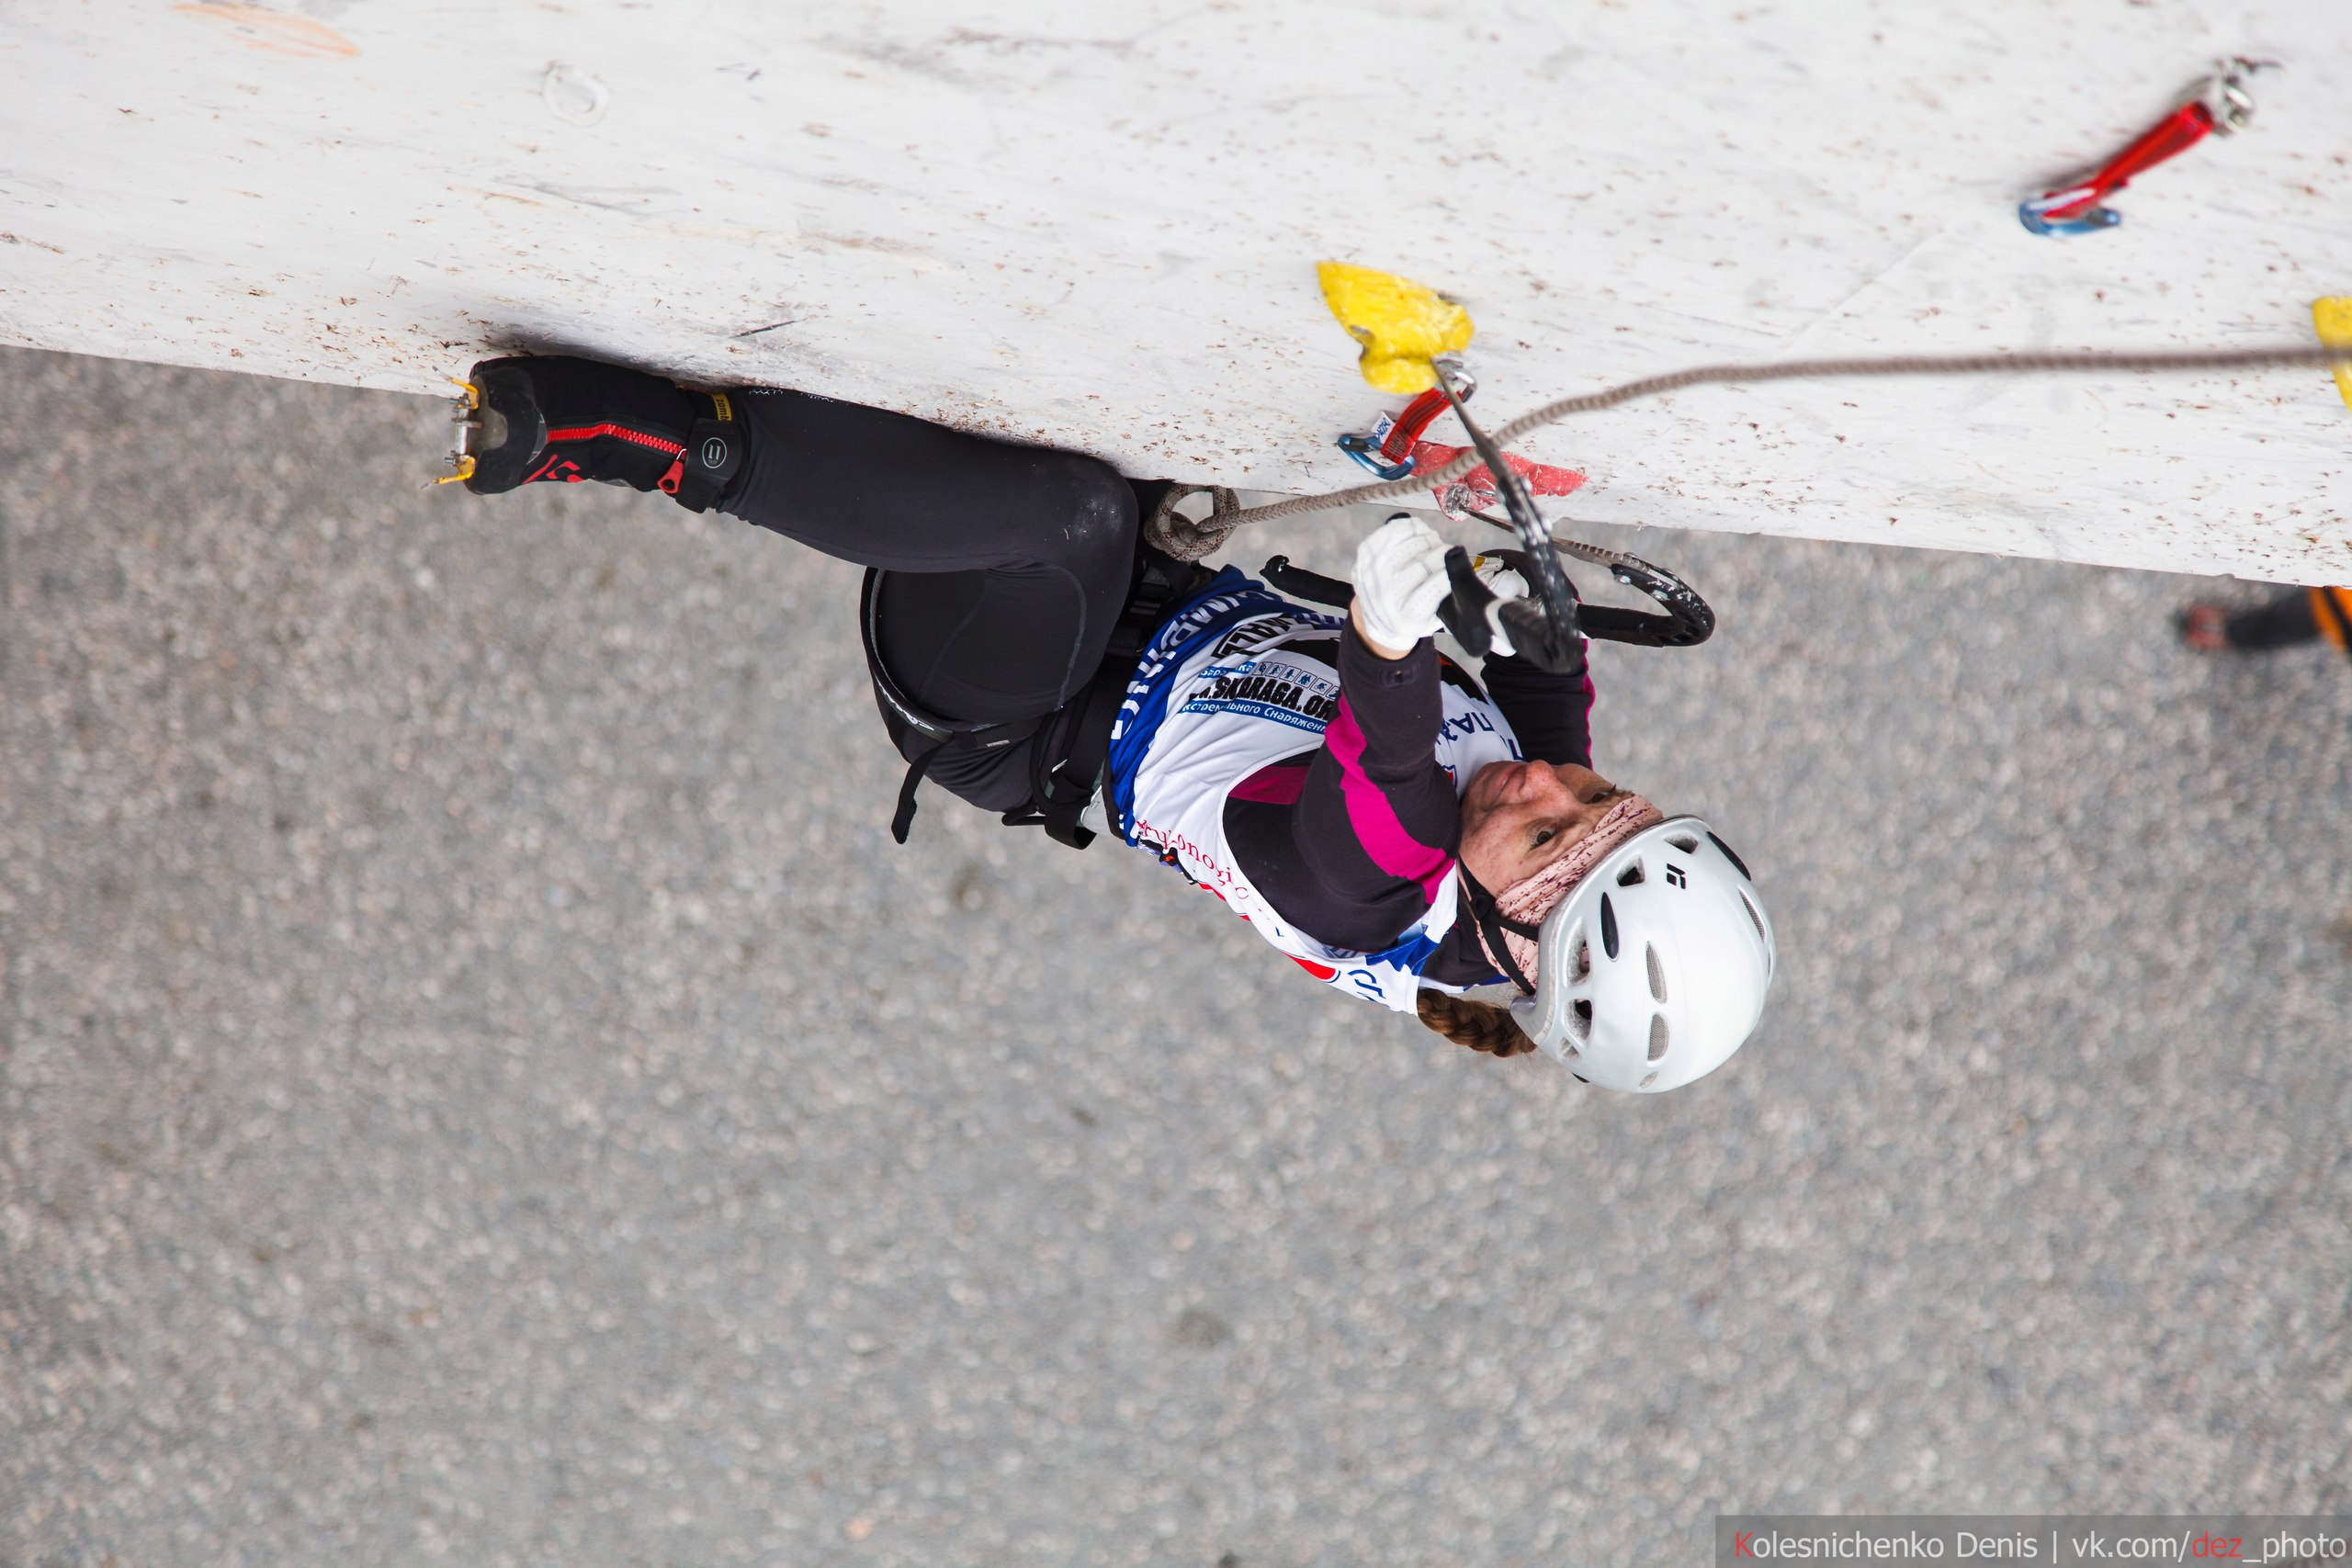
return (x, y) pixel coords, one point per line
(1658, 972)
(1580, 1019)
(1646, 1081)
(1734, 859)
(1756, 919)
(1630, 877)
(1685, 842)
(1608, 927)
(1581, 961)
(1657, 1036)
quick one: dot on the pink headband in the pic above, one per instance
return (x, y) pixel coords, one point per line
(1532, 898)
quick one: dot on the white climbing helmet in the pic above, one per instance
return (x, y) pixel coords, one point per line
(1653, 970)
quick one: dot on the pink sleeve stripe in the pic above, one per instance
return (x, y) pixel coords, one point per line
(1277, 784)
(1371, 815)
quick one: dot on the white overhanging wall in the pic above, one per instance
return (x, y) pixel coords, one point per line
(1096, 224)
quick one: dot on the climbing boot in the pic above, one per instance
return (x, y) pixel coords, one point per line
(558, 417)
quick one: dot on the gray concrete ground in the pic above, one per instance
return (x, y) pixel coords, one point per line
(479, 1084)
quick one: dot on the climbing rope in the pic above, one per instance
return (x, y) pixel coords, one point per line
(1188, 540)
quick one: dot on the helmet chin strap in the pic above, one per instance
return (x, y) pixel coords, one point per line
(1489, 917)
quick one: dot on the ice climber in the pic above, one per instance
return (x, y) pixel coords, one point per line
(1405, 832)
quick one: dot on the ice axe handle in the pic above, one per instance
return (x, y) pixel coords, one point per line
(1464, 610)
(1544, 631)
(1311, 586)
(1553, 645)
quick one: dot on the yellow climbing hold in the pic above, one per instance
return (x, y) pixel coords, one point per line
(2333, 317)
(1401, 323)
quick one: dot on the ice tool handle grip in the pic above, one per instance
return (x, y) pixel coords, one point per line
(1464, 610)
(1543, 629)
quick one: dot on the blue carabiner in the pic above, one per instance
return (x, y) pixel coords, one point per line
(2029, 213)
(1365, 450)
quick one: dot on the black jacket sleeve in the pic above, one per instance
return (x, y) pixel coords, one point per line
(1551, 715)
(1348, 842)
(1356, 855)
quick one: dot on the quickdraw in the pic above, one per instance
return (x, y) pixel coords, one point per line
(1388, 450)
(2219, 104)
(1395, 450)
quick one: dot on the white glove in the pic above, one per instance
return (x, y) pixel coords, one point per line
(1505, 583)
(1401, 581)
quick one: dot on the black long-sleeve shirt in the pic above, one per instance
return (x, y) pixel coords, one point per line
(1293, 832)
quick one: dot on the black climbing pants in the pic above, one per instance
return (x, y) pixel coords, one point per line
(1003, 567)
(2283, 622)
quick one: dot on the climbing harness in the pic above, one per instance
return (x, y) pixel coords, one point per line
(2219, 106)
(1072, 742)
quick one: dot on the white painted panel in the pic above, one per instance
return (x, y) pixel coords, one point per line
(1096, 224)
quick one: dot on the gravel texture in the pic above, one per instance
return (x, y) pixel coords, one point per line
(480, 1085)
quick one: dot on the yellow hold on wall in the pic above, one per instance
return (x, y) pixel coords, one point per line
(2333, 317)
(1401, 323)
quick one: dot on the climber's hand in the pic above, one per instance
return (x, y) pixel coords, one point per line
(1502, 581)
(1401, 581)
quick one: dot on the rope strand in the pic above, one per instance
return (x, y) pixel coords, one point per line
(2040, 361)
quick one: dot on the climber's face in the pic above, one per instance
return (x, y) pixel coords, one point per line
(1519, 818)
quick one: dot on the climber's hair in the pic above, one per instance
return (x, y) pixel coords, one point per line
(1479, 1025)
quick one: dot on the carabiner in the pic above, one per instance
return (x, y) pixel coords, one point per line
(1365, 450)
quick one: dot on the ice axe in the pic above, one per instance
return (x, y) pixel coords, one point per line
(1544, 626)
